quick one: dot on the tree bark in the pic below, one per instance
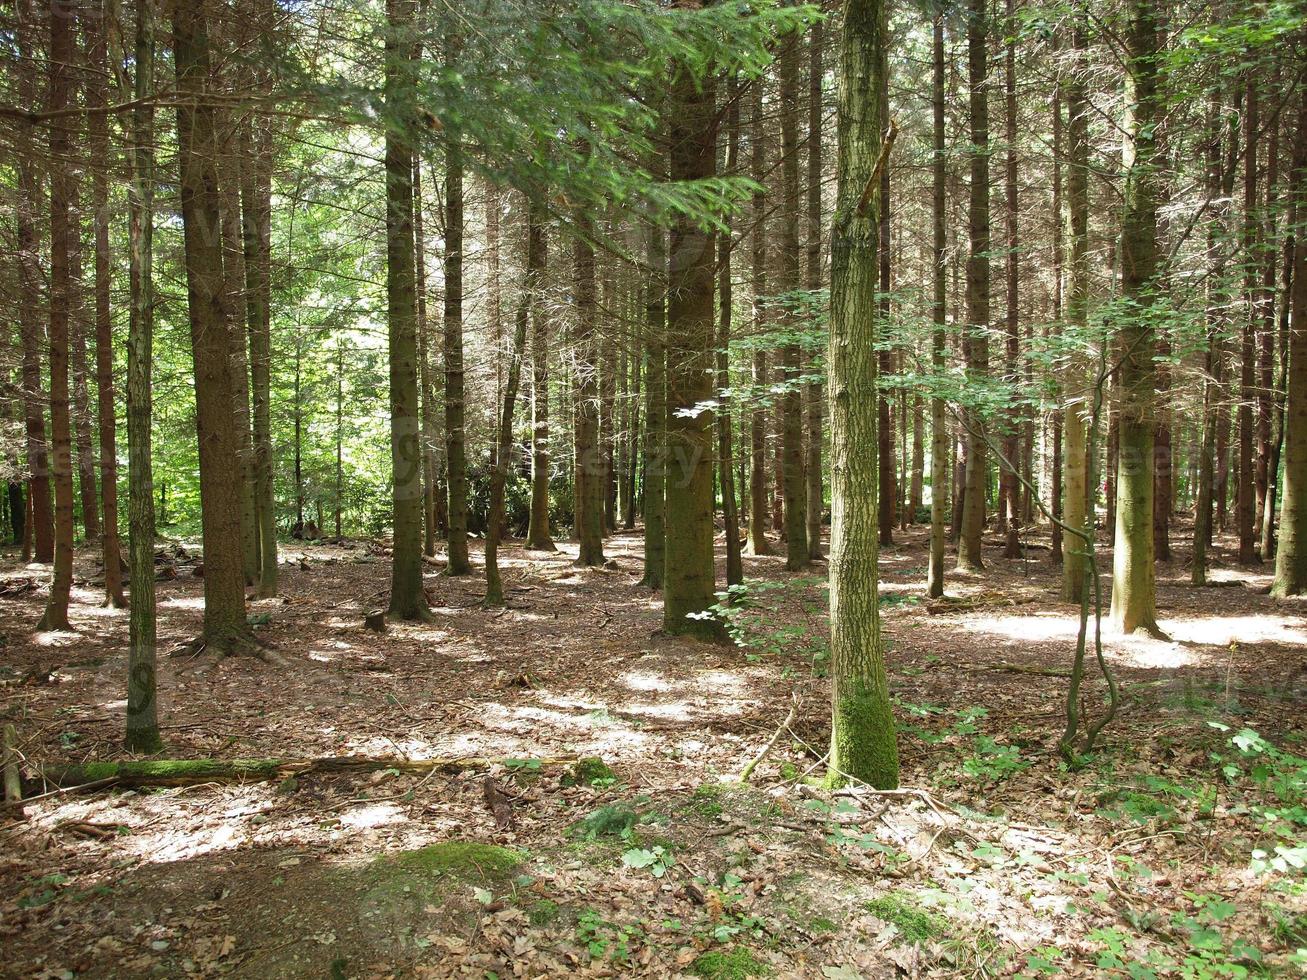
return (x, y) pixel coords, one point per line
(814, 397)
(862, 732)
(725, 441)
(1246, 491)
(758, 493)
(1011, 441)
(455, 409)
(538, 537)
(655, 426)
(939, 435)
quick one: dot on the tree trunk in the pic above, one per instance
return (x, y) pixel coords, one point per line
(790, 280)
(655, 426)
(98, 131)
(939, 435)
(725, 451)
(1291, 554)
(426, 410)
(142, 728)
(61, 286)
(814, 397)
(977, 327)
(1134, 601)
(1011, 441)
(30, 280)
(1246, 491)
(455, 409)
(758, 493)
(690, 576)
(538, 537)
(82, 421)
(407, 597)
(862, 742)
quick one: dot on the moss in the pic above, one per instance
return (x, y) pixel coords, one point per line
(707, 800)
(543, 912)
(820, 923)
(914, 923)
(587, 772)
(862, 739)
(736, 964)
(456, 859)
(615, 820)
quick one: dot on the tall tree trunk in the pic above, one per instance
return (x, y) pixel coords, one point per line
(1076, 393)
(814, 397)
(1134, 591)
(790, 280)
(939, 435)
(884, 366)
(1059, 272)
(1272, 388)
(426, 407)
(1011, 440)
(725, 451)
(504, 440)
(455, 408)
(256, 229)
(588, 481)
(689, 583)
(862, 730)
(142, 728)
(30, 279)
(407, 597)
(79, 364)
(538, 537)
(1291, 555)
(61, 286)
(655, 426)
(758, 494)
(1246, 490)
(1202, 536)
(98, 132)
(977, 325)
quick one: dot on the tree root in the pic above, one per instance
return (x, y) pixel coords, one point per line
(239, 645)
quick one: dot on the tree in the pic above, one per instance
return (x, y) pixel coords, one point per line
(1291, 553)
(588, 492)
(1011, 476)
(725, 441)
(62, 232)
(862, 742)
(142, 726)
(814, 399)
(689, 580)
(939, 315)
(98, 133)
(407, 597)
(758, 543)
(977, 326)
(455, 409)
(1134, 602)
(538, 537)
(655, 425)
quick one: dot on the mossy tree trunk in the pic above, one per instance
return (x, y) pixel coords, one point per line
(690, 577)
(1134, 590)
(862, 731)
(407, 597)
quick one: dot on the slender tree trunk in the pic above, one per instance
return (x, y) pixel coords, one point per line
(407, 597)
(1291, 555)
(725, 452)
(426, 408)
(791, 403)
(1011, 441)
(1134, 591)
(83, 423)
(538, 537)
(814, 397)
(30, 280)
(1246, 490)
(862, 731)
(256, 229)
(758, 493)
(588, 483)
(142, 727)
(689, 583)
(977, 326)
(939, 435)
(98, 131)
(61, 287)
(1059, 262)
(655, 426)
(455, 409)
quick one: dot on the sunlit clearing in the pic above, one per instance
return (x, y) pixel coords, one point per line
(372, 815)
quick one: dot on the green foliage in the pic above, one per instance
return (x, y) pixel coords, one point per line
(604, 939)
(914, 923)
(992, 761)
(458, 859)
(1277, 780)
(734, 964)
(658, 858)
(753, 616)
(616, 820)
(590, 771)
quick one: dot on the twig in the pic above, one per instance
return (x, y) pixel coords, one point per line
(771, 743)
(864, 201)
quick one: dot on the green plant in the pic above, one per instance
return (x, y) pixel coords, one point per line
(734, 964)
(613, 820)
(993, 761)
(914, 923)
(657, 858)
(604, 939)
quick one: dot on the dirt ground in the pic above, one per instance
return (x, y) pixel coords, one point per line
(1140, 864)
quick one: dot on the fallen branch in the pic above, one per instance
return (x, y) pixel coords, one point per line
(185, 772)
(1022, 669)
(771, 743)
(13, 789)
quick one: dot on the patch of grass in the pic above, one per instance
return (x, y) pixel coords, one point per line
(819, 923)
(707, 800)
(616, 820)
(456, 859)
(913, 922)
(735, 964)
(543, 912)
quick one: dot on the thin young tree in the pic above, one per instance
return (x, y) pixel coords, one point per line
(939, 435)
(862, 744)
(538, 537)
(814, 397)
(655, 426)
(1011, 479)
(455, 405)
(589, 470)
(758, 495)
(725, 440)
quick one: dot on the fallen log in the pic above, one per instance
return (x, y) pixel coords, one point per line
(185, 772)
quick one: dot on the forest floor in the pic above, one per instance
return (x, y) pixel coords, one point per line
(1177, 851)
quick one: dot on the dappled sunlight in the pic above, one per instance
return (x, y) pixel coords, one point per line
(1224, 630)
